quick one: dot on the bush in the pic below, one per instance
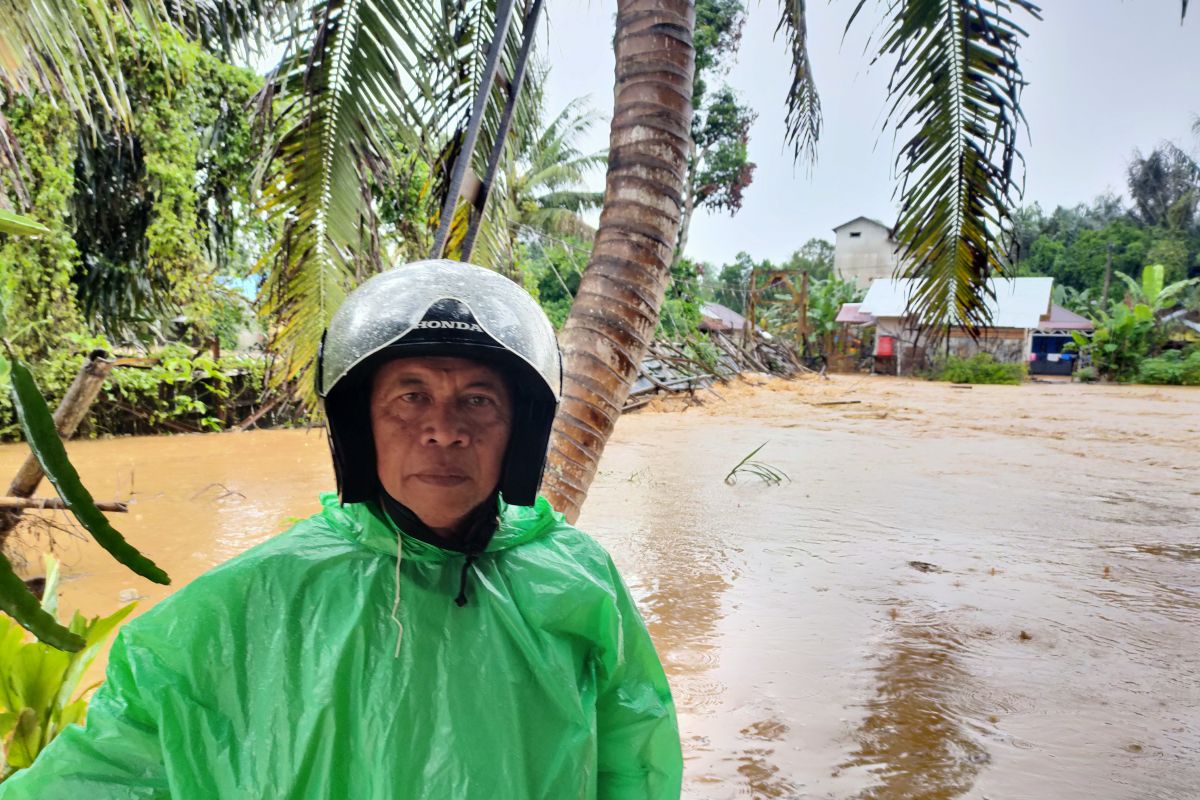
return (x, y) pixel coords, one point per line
(1087, 375)
(980, 368)
(1175, 367)
(175, 390)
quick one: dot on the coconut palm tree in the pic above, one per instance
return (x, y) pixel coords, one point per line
(954, 92)
(540, 192)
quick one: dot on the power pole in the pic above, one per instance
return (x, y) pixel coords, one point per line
(1107, 278)
(491, 67)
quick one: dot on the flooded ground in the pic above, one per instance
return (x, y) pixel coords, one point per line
(977, 593)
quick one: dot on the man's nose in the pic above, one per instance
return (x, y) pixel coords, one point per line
(445, 426)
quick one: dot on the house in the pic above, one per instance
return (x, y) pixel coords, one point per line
(864, 250)
(716, 317)
(1046, 355)
(1020, 311)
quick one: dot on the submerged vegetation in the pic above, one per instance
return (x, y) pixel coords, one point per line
(770, 475)
(979, 368)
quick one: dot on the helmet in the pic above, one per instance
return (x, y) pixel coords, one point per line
(439, 308)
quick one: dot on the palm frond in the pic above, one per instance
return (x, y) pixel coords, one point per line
(803, 103)
(67, 49)
(956, 86)
(768, 474)
(340, 105)
(230, 27)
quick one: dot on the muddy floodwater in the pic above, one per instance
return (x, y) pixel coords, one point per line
(988, 592)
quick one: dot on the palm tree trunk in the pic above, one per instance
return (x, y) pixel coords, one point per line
(616, 309)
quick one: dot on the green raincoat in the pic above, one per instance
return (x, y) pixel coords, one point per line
(276, 675)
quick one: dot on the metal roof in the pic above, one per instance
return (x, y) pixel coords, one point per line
(1017, 302)
(716, 317)
(887, 228)
(849, 313)
(1063, 320)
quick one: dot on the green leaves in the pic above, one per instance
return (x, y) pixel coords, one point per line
(18, 603)
(15, 598)
(65, 47)
(803, 104)
(38, 427)
(955, 93)
(19, 225)
(361, 81)
(39, 684)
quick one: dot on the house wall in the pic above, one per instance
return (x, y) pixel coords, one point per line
(862, 258)
(1008, 345)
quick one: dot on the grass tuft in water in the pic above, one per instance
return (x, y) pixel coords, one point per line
(772, 476)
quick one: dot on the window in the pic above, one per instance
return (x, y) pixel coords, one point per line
(855, 234)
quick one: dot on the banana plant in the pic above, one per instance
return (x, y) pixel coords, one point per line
(39, 683)
(1151, 291)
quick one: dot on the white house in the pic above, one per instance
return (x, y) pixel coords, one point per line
(864, 250)
(1019, 307)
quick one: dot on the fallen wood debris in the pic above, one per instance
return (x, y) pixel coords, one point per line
(668, 368)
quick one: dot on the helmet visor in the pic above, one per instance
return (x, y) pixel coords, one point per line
(388, 306)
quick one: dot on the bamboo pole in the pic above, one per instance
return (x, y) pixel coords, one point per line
(22, 503)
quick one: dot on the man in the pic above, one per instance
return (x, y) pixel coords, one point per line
(437, 631)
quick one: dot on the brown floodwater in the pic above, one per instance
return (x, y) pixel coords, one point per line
(959, 593)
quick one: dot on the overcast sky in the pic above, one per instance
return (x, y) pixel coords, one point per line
(1104, 76)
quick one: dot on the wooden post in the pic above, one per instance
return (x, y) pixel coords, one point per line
(1107, 279)
(749, 322)
(71, 411)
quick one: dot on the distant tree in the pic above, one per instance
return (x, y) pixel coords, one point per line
(814, 257)
(1165, 187)
(732, 282)
(718, 168)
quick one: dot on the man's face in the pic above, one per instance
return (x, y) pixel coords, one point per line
(441, 426)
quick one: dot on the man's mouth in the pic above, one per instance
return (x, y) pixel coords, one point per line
(443, 479)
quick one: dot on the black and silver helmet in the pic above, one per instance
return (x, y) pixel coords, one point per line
(439, 308)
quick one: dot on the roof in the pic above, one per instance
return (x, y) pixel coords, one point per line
(1016, 302)
(1181, 315)
(1063, 320)
(716, 317)
(849, 313)
(872, 220)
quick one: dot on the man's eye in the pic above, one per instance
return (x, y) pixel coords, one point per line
(479, 401)
(412, 397)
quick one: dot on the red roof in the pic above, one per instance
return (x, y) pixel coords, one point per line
(849, 313)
